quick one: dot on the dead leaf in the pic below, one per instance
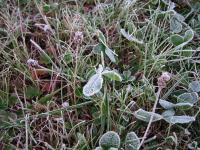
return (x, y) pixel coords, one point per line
(38, 73)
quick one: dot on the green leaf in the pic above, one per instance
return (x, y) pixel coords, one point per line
(46, 8)
(145, 115)
(132, 141)
(98, 48)
(183, 106)
(93, 86)
(179, 119)
(110, 54)
(130, 37)
(109, 140)
(188, 98)
(189, 34)
(50, 7)
(165, 104)
(112, 75)
(176, 39)
(194, 86)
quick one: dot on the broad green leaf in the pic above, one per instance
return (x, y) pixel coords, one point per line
(175, 25)
(46, 8)
(112, 75)
(145, 115)
(168, 113)
(109, 139)
(165, 104)
(194, 86)
(130, 37)
(176, 39)
(189, 34)
(132, 141)
(93, 86)
(188, 98)
(98, 48)
(179, 119)
(183, 106)
(110, 54)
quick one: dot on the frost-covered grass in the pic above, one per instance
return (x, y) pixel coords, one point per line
(99, 74)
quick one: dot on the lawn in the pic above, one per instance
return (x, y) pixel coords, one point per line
(99, 74)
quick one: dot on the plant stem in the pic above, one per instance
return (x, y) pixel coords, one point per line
(151, 119)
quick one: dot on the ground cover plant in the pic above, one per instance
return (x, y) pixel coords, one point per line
(99, 74)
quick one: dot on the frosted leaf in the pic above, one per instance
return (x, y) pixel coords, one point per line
(165, 104)
(168, 113)
(145, 115)
(132, 141)
(194, 86)
(109, 140)
(93, 86)
(130, 37)
(100, 69)
(179, 119)
(188, 98)
(175, 25)
(111, 55)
